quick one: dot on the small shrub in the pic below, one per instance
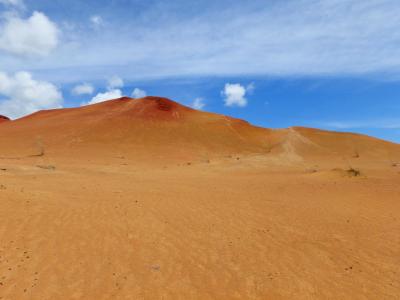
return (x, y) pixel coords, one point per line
(353, 172)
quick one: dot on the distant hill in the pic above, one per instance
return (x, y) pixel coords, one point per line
(155, 128)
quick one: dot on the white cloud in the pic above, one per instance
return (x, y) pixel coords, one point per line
(16, 3)
(115, 82)
(21, 95)
(37, 35)
(138, 93)
(83, 89)
(108, 95)
(96, 21)
(198, 103)
(234, 94)
(113, 91)
(272, 38)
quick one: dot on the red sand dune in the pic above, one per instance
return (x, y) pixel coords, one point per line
(163, 129)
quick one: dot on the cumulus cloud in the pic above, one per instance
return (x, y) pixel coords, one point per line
(108, 95)
(198, 103)
(83, 89)
(20, 95)
(234, 94)
(138, 93)
(37, 35)
(113, 91)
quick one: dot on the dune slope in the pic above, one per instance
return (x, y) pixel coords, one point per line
(159, 128)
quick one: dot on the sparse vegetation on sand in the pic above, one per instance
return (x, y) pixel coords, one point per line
(353, 172)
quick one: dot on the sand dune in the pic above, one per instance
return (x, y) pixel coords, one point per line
(149, 199)
(161, 128)
(155, 126)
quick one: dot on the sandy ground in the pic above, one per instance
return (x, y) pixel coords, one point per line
(233, 229)
(148, 199)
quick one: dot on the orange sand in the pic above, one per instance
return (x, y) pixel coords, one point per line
(147, 199)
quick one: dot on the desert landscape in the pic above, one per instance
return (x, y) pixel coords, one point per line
(149, 199)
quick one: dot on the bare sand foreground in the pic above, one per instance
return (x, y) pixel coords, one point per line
(290, 223)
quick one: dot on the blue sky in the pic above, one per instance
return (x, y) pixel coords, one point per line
(331, 64)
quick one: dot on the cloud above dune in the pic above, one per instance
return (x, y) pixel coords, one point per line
(21, 94)
(235, 94)
(110, 94)
(113, 91)
(34, 36)
(83, 89)
(198, 103)
(138, 93)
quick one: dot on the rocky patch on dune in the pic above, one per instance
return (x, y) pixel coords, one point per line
(4, 119)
